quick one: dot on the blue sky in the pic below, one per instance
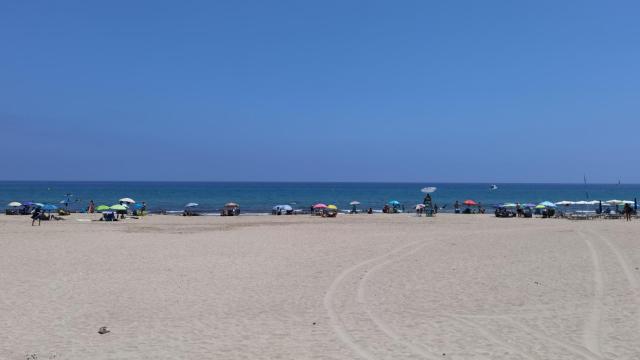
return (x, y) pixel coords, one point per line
(484, 91)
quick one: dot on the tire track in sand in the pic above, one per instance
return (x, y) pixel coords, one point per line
(336, 320)
(382, 326)
(632, 279)
(593, 324)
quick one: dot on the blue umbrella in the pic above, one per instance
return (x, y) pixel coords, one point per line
(394, 202)
(137, 206)
(49, 207)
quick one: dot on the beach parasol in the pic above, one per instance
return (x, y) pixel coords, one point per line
(102, 208)
(332, 207)
(14, 204)
(509, 205)
(429, 189)
(470, 203)
(529, 205)
(394, 202)
(319, 206)
(49, 207)
(540, 206)
(38, 204)
(354, 202)
(127, 200)
(231, 204)
(118, 207)
(420, 206)
(191, 204)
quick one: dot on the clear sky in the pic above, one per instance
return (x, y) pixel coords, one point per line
(484, 91)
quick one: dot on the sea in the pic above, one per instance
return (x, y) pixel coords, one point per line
(261, 197)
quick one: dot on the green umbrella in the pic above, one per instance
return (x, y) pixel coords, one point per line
(540, 206)
(102, 208)
(118, 207)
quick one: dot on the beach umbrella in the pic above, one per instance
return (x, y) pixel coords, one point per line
(137, 206)
(332, 207)
(419, 206)
(547, 204)
(283, 207)
(27, 203)
(319, 206)
(191, 204)
(565, 202)
(429, 189)
(127, 200)
(509, 205)
(231, 204)
(14, 204)
(102, 208)
(540, 206)
(529, 205)
(394, 202)
(470, 203)
(49, 207)
(118, 207)
(354, 203)
(38, 204)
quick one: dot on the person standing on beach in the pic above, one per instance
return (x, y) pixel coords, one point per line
(91, 207)
(627, 212)
(456, 207)
(36, 216)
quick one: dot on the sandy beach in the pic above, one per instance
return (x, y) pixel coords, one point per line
(301, 287)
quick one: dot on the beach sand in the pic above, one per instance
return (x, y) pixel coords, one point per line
(300, 287)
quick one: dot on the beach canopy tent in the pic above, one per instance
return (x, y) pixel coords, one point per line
(394, 202)
(319, 206)
(102, 208)
(547, 204)
(429, 189)
(332, 207)
(191, 204)
(118, 207)
(14, 204)
(282, 208)
(470, 203)
(565, 203)
(127, 200)
(354, 202)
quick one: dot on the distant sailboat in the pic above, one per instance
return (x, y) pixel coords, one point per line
(494, 187)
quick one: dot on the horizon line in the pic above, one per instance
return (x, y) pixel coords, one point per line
(319, 182)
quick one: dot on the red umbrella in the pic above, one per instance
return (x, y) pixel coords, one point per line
(470, 203)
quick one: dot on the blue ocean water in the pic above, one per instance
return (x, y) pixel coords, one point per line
(260, 197)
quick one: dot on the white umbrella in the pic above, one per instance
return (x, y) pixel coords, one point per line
(191, 204)
(419, 206)
(14, 204)
(127, 200)
(429, 189)
(354, 203)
